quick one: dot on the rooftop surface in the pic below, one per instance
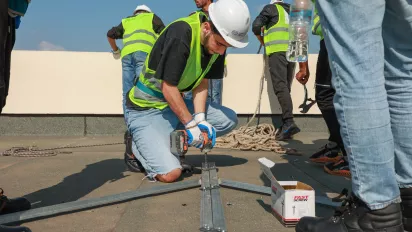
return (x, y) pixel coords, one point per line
(92, 172)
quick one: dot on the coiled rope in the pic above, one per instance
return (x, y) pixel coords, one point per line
(255, 138)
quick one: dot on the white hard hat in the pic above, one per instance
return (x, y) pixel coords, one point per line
(143, 7)
(232, 19)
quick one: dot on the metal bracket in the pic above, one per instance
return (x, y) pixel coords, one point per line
(76, 206)
(211, 209)
(212, 217)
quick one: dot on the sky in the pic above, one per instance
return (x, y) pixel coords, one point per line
(82, 25)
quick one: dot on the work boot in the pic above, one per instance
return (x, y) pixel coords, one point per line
(327, 154)
(355, 216)
(339, 168)
(406, 195)
(186, 167)
(14, 229)
(130, 160)
(12, 205)
(287, 131)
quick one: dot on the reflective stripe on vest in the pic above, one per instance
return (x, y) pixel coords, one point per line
(317, 28)
(138, 34)
(277, 37)
(147, 91)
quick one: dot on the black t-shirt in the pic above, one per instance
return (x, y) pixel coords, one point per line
(170, 53)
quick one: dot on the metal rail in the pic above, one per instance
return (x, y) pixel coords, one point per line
(76, 206)
(212, 216)
(206, 214)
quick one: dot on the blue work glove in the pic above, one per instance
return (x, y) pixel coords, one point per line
(200, 119)
(194, 134)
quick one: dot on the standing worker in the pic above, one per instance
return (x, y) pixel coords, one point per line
(10, 13)
(138, 32)
(186, 55)
(335, 164)
(274, 19)
(370, 48)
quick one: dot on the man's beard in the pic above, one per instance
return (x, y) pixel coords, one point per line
(206, 42)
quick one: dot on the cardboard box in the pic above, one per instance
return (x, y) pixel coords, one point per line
(291, 200)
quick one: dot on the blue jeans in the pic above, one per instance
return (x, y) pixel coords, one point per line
(370, 49)
(214, 91)
(151, 130)
(132, 65)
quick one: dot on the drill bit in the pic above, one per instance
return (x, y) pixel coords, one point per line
(206, 158)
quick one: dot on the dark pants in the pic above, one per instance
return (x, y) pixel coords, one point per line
(282, 73)
(7, 39)
(325, 94)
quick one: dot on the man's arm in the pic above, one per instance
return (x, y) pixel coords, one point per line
(176, 103)
(200, 96)
(113, 34)
(303, 75)
(173, 49)
(269, 13)
(158, 24)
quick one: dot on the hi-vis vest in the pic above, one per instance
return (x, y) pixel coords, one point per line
(147, 91)
(317, 28)
(138, 34)
(277, 37)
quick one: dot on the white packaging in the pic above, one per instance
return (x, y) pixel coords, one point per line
(291, 200)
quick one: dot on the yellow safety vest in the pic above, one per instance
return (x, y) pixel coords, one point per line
(138, 34)
(147, 91)
(277, 37)
(317, 27)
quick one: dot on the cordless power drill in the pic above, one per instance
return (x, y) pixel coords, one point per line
(179, 146)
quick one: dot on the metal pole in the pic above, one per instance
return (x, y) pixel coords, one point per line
(80, 205)
(246, 187)
(219, 223)
(206, 214)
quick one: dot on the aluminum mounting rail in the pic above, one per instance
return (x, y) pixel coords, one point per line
(212, 216)
(76, 206)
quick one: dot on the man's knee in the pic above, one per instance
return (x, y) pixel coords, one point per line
(170, 177)
(229, 123)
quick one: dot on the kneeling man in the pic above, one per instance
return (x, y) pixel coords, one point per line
(188, 52)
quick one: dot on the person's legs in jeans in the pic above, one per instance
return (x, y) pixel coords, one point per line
(4, 28)
(128, 75)
(139, 59)
(132, 66)
(151, 137)
(280, 72)
(356, 51)
(353, 36)
(397, 37)
(215, 91)
(136, 60)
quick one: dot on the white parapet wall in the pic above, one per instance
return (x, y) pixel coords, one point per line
(60, 82)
